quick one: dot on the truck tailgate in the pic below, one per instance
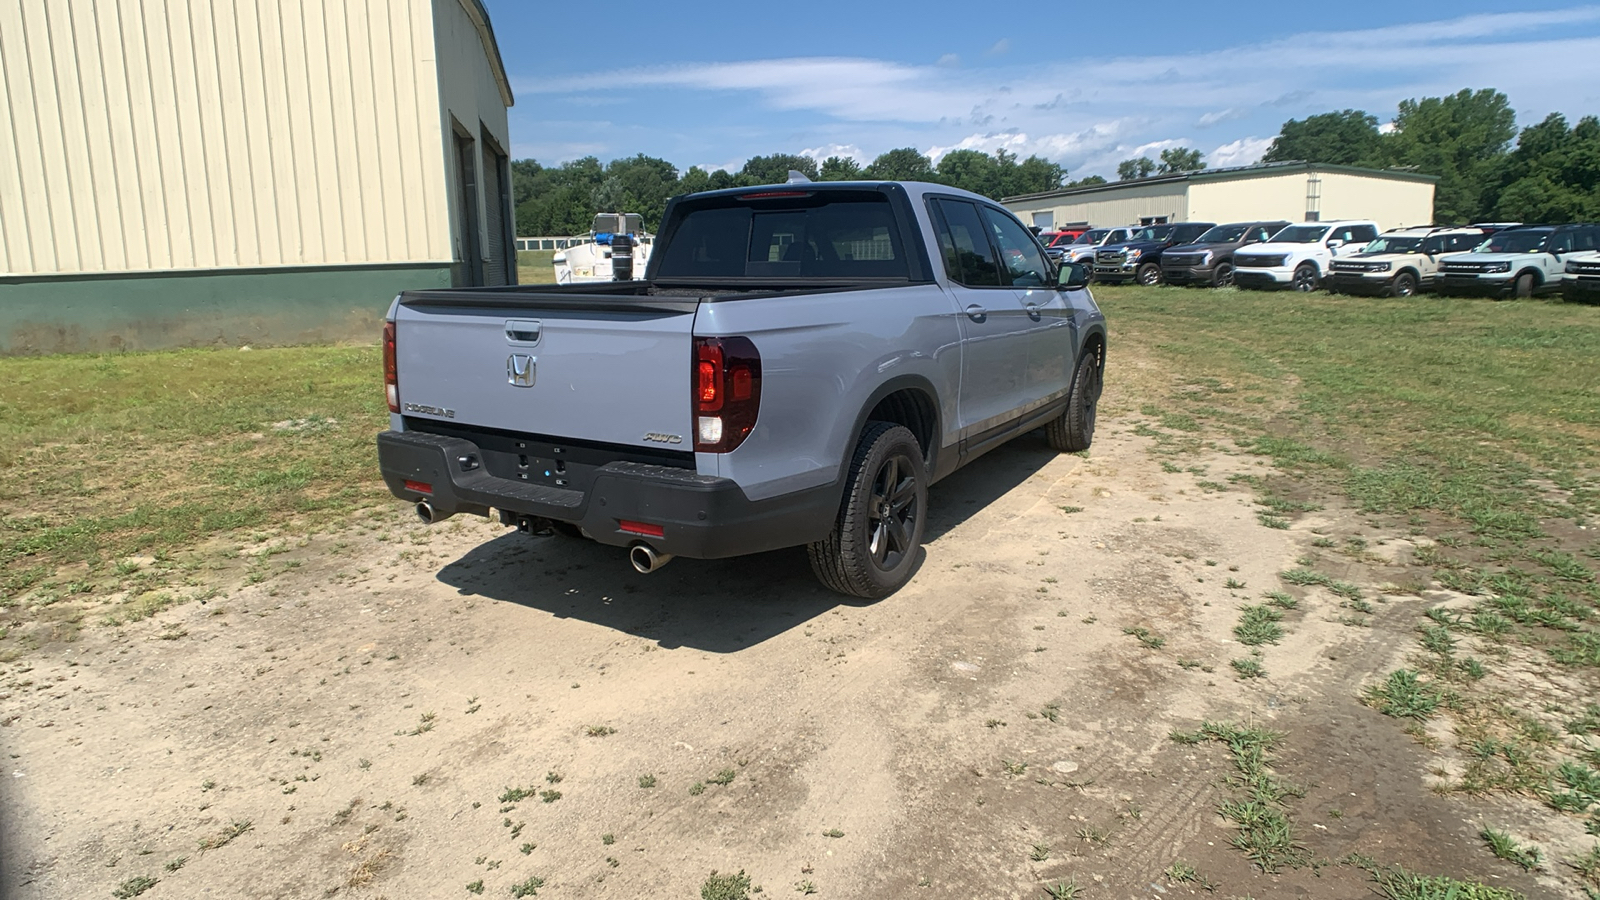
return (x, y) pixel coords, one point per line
(609, 370)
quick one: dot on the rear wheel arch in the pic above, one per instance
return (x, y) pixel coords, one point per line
(908, 400)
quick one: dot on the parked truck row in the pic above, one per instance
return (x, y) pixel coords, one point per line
(1349, 256)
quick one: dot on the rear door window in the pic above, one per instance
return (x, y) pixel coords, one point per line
(969, 258)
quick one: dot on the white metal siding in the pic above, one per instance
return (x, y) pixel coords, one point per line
(219, 133)
(1123, 206)
(1389, 202)
(1264, 197)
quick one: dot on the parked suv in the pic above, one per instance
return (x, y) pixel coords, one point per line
(1400, 262)
(1082, 249)
(1140, 256)
(1298, 256)
(1516, 262)
(1580, 283)
(1209, 260)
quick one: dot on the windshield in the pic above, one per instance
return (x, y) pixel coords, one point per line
(1300, 234)
(1387, 244)
(1092, 236)
(1153, 233)
(1223, 234)
(1514, 242)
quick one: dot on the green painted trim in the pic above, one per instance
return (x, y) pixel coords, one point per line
(1268, 170)
(203, 308)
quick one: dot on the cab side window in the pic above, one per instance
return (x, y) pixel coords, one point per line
(964, 241)
(1363, 234)
(1561, 243)
(1258, 235)
(1022, 262)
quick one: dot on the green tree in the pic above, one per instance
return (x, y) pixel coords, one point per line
(1554, 174)
(972, 170)
(640, 184)
(903, 164)
(558, 200)
(1086, 181)
(1462, 139)
(1033, 175)
(774, 169)
(1180, 159)
(1138, 167)
(1346, 138)
(840, 168)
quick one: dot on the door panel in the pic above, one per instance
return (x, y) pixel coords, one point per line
(1049, 326)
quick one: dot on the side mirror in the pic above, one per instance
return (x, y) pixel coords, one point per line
(1072, 276)
(1335, 243)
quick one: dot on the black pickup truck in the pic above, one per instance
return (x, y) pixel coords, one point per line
(1139, 259)
(1209, 260)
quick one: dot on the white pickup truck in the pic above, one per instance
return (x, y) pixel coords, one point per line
(1298, 256)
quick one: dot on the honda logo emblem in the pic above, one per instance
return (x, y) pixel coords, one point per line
(519, 369)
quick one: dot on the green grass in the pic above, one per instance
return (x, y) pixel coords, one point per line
(103, 457)
(1266, 833)
(1404, 696)
(1396, 883)
(1505, 847)
(1258, 625)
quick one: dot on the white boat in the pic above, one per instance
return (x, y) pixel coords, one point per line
(617, 248)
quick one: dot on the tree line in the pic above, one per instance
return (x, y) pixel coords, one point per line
(564, 199)
(1550, 174)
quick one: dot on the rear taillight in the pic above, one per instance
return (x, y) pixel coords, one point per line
(727, 392)
(391, 375)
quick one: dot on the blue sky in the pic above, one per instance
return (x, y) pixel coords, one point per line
(1082, 84)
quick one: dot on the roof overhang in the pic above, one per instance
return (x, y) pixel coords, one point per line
(480, 20)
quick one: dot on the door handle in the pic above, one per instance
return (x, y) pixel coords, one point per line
(1033, 311)
(977, 313)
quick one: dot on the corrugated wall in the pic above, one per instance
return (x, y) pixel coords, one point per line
(470, 98)
(1124, 206)
(184, 134)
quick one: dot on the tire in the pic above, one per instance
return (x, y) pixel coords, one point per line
(1073, 430)
(872, 548)
(1404, 285)
(1305, 278)
(1149, 274)
(1222, 275)
(1524, 286)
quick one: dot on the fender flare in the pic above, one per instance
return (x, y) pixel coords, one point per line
(897, 383)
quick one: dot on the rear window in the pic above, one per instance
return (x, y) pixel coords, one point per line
(816, 236)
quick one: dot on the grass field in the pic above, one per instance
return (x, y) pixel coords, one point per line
(534, 267)
(1472, 412)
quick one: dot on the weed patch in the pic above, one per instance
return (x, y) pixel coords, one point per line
(1266, 835)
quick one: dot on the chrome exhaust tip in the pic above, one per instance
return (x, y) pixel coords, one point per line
(645, 559)
(425, 512)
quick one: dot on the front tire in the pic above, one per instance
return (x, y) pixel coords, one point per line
(1222, 275)
(1524, 288)
(1073, 430)
(1405, 285)
(872, 549)
(1305, 278)
(1149, 274)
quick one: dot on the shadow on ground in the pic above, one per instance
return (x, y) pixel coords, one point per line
(721, 606)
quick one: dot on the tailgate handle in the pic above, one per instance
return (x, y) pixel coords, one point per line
(523, 331)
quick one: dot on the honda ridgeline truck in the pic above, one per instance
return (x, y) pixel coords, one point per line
(1517, 262)
(1400, 262)
(1298, 256)
(1139, 257)
(798, 365)
(1209, 259)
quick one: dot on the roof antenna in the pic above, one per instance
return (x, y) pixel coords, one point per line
(798, 177)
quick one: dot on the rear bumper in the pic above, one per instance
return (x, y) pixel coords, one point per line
(701, 516)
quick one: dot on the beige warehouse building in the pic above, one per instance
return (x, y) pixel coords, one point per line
(1292, 191)
(238, 171)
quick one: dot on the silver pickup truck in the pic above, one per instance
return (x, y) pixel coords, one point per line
(798, 364)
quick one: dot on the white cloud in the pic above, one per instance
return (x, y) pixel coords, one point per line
(1000, 47)
(1387, 128)
(1219, 116)
(847, 151)
(949, 61)
(1243, 152)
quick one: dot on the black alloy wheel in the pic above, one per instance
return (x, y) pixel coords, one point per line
(871, 551)
(1222, 275)
(1305, 278)
(892, 513)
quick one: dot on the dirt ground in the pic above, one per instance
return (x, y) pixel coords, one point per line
(362, 724)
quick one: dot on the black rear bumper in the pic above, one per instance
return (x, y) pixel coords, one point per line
(700, 516)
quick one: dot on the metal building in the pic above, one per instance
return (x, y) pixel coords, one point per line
(194, 172)
(1292, 191)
